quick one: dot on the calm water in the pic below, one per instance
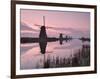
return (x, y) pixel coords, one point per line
(31, 57)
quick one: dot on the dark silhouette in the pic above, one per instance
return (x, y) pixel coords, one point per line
(61, 38)
(43, 39)
(83, 39)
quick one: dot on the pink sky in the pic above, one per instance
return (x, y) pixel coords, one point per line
(74, 23)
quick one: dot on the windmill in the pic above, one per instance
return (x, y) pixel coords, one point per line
(43, 39)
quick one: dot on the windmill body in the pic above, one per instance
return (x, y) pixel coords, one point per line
(43, 39)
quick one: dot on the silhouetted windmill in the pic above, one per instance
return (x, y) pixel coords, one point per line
(43, 39)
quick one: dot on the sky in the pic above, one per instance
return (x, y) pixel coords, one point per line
(76, 24)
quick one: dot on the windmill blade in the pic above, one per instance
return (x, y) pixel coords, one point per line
(55, 28)
(47, 27)
(60, 29)
(40, 25)
(44, 20)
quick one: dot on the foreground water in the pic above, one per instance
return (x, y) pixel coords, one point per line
(69, 54)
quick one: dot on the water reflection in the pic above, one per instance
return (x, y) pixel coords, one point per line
(71, 53)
